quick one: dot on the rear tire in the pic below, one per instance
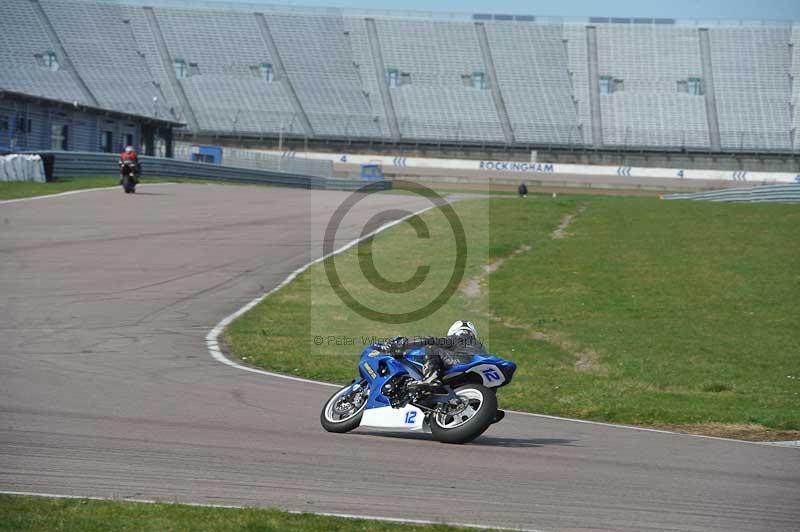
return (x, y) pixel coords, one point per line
(342, 412)
(472, 422)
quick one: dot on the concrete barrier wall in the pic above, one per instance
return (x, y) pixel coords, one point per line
(397, 164)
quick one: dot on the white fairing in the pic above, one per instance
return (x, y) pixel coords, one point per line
(491, 375)
(386, 417)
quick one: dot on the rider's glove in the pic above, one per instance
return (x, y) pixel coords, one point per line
(397, 346)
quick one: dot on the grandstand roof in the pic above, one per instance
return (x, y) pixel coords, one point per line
(83, 107)
(255, 5)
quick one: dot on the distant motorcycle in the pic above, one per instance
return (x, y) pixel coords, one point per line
(457, 412)
(130, 176)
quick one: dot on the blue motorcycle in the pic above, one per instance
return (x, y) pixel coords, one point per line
(457, 412)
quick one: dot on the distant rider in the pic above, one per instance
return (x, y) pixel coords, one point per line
(458, 347)
(129, 155)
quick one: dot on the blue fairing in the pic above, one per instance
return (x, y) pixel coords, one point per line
(506, 366)
(377, 367)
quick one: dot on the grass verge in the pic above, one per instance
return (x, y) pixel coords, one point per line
(34, 514)
(25, 189)
(18, 190)
(672, 314)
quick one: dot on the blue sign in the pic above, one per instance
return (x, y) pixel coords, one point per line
(371, 172)
(207, 154)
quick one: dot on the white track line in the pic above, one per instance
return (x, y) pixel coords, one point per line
(81, 191)
(212, 342)
(239, 507)
(795, 443)
(646, 429)
(212, 338)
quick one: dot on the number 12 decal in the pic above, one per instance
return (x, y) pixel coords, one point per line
(411, 416)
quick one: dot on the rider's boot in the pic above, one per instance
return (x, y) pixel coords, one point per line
(430, 380)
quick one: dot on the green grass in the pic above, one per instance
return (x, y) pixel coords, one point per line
(431, 189)
(648, 312)
(26, 189)
(17, 190)
(691, 308)
(36, 514)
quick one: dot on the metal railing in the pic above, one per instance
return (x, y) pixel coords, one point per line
(258, 160)
(758, 194)
(75, 164)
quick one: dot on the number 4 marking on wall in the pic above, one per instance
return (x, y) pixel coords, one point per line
(343, 158)
(680, 173)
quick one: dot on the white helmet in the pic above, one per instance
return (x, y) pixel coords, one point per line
(462, 327)
(129, 149)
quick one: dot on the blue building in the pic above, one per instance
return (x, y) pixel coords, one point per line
(30, 123)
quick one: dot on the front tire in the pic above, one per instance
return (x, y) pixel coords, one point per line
(343, 411)
(465, 426)
(128, 185)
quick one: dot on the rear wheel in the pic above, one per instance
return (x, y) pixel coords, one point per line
(466, 421)
(343, 411)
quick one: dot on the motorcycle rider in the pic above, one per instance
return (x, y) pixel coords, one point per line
(129, 155)
(458, 347)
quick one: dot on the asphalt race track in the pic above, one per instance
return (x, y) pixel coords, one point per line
(107, 388)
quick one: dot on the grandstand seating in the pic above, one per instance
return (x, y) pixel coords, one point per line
(225, 94)
(575, 40)
(334, 87)
(648, 110)
(363, 62)
(436, 104)
(751, 78)
(795, 77)
(533, 71)
(144, 44)
(101, 47)
(22, 36)
(323, 74)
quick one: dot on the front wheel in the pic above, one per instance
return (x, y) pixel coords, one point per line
(464, 422)
(128, 184)
(343, 411)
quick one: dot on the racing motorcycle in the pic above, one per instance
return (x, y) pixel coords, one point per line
(129, 177)
(458, 411)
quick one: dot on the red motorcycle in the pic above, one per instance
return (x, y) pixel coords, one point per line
(130, 176)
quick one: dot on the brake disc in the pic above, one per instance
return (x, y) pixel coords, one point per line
(455, 407)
